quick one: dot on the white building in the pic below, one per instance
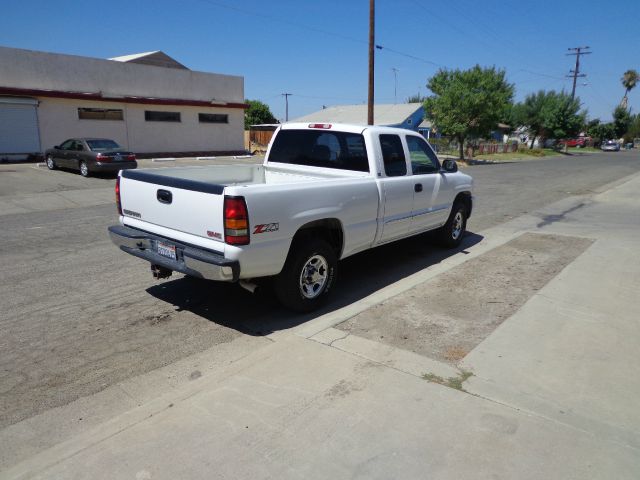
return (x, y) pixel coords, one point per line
(148, 103)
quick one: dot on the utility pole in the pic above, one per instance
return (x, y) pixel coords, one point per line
(286, 106)
(372, 38)
(577, 51)
(395, 85)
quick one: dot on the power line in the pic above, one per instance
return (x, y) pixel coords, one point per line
(577, 51)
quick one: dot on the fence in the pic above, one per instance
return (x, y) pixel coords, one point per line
(489, 148)
(443, 146)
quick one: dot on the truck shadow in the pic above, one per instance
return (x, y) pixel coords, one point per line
(259, 314)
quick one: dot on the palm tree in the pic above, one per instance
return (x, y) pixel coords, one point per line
(629, 81)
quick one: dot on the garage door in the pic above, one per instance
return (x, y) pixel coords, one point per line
(18, 125)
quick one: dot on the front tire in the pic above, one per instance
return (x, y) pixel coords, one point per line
(451, 233)
(308, 275)
(51, 164)
(84, 169)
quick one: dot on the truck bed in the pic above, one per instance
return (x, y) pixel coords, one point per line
(228, 175)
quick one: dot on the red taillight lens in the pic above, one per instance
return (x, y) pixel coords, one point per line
(324, 126)
(131, 157)
(118, 196)
(236, 221)
(103, 158)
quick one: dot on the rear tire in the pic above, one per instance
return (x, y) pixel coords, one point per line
(84, 169)
(51, 164)
(308, 275)
(451, 233)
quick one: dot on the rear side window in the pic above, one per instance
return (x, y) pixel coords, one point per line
(323, 148)
(395, 164)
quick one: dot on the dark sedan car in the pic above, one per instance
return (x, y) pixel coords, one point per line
(89, 155)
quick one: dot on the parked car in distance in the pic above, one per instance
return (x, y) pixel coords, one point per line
(579, 142)
(90, 155)
(610, 146)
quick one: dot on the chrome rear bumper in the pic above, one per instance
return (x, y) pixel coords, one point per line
(193, 261)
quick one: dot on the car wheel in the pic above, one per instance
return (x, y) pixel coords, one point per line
(305, 281)
(51, 165)
(451, 233)
(84, 169)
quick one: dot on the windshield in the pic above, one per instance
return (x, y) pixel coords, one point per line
(320, 148)
(102, 144)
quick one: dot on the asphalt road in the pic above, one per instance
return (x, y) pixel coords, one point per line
(79, 316)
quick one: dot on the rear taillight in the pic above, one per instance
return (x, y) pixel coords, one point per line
(103, 158)
(131, 157)
(236, 221)
(118, 196)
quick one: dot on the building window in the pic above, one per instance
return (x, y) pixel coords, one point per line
(213, 118)
(151, 116)
(100, 114)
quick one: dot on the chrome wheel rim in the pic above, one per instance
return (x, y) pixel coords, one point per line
(313, 277)
(83, 169)
(49, 162)
(458, 222)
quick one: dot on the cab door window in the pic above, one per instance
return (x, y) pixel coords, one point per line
(393, 158)
(423, 160)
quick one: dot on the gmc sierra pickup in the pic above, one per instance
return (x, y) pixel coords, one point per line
(323, 193)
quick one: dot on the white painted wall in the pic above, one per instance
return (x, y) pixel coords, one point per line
(52, 71)
(58, 120)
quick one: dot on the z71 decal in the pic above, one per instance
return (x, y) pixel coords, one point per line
(266, 227)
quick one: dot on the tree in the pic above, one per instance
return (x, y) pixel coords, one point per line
(551, 115)
(634, 129)
(600, 131)
(562, 117)
(417, 98)
(257, 113)
(531, 113)
(621, 121)
(629, 80)
(468, 102)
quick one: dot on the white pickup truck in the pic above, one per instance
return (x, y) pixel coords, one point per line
(323, 193)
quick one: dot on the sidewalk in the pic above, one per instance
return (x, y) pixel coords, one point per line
(553, 393)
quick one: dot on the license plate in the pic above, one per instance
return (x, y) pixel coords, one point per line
(166, 250)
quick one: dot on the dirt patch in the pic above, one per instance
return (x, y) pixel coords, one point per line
(446, 317)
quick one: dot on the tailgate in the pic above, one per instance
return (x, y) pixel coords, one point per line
(188, 206)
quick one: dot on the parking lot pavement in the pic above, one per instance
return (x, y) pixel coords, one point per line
(32, 187)
(549, 394)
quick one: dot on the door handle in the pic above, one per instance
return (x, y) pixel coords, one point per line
(417, 187)
(164, 196)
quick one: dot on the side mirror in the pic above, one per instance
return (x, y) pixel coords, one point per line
(450, 166)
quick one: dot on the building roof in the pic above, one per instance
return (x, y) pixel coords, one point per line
(95, 79)
(425, 124)
(384, 114)
(157, 58)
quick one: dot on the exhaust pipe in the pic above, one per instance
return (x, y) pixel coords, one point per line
(160, 272)
(249, 286)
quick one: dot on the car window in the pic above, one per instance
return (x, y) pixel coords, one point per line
(102, 144)
(423, 160)
(66, 145)
(393, 158)
(320, 149)
(77, 145)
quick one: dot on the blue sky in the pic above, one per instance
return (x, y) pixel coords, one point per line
(317, 50)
